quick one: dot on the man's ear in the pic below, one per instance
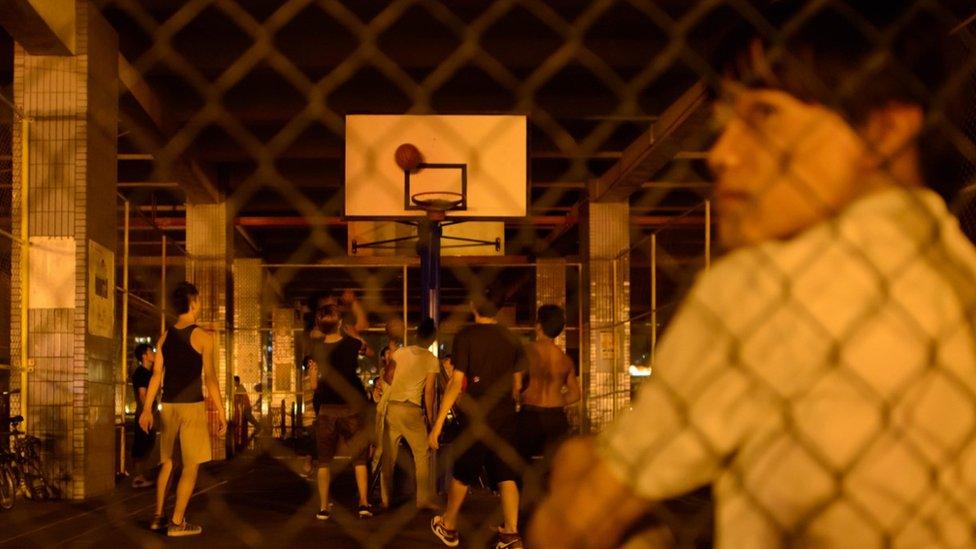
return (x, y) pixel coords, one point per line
(890, 132)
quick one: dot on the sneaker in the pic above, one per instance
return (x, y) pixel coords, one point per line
(508, 541)
(448, 537)
(323, 514)
(365, 511)
(185, 529)
(142, 482)
(158, 524)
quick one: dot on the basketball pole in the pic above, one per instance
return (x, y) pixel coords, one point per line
(429, 233)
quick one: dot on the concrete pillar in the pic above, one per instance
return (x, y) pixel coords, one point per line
(283, 373)
(550, 288)
(210, 250)
(71, 102)
(606, 303)
(248, 289)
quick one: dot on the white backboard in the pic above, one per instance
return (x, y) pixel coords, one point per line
(487, 152)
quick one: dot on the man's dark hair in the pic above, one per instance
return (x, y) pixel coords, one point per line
(327, 310)
(237, 380)
(182, 295)
(552, 319)
(140, 351)
(312, 305)
(863, 58)
(426, 331)
(486, 302)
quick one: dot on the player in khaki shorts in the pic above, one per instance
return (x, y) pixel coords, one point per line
(186, 354)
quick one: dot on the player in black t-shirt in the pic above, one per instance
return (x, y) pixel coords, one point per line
(489, 355)
(142, 441)
(341, 400)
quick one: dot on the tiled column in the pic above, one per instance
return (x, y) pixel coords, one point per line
(283, 382)
(72, 104)
(550, 288)
(248, 298)
(209, 245)
(606, 303)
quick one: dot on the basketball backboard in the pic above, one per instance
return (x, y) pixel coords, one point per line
(480, 157)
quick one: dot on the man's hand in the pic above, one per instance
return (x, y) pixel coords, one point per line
(435, 433)
(221, 424)
(583, 486)
(146, 420)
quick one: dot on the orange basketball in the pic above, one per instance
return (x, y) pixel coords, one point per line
(408, 157)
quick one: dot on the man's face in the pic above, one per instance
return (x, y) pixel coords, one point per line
(781, 165)
(149, 358)
(394, 329)
(327, 323)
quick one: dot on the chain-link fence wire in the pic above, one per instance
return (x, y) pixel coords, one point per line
(663, 264)
(679, 29)
(6, 209)
(141, 289)
(10, 245)
(7, 120)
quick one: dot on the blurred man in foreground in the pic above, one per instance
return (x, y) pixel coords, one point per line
(820, 377)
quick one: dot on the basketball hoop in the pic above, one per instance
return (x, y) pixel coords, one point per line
(437, 203)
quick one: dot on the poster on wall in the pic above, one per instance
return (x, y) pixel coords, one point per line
(101, 290)
(51, 265)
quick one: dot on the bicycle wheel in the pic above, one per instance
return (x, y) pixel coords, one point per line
(32, 454)
(8, 486)
(53, 492)
(36, 489)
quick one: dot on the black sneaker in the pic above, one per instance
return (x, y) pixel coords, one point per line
(365, 511)
(323, 514)
(448, 537)
(181, 530)
(158, 524)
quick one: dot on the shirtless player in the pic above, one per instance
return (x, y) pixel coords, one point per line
(553, 385)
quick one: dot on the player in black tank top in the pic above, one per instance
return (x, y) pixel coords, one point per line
(183, 381)
(186, 427)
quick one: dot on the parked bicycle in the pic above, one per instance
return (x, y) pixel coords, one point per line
(21, 468)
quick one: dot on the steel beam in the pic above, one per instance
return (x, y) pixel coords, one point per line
(41, 27)
(653, 150)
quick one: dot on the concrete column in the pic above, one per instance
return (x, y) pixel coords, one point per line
(71, 102)
(283, 373)
(248, 298)
(606, 303)
(550, 288)
(209, 245)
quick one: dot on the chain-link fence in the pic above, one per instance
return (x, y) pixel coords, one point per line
(805, 349)
(6, 247)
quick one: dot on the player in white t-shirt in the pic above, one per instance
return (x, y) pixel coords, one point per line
(411, 391)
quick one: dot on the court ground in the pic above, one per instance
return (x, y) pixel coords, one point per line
(252, 501)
